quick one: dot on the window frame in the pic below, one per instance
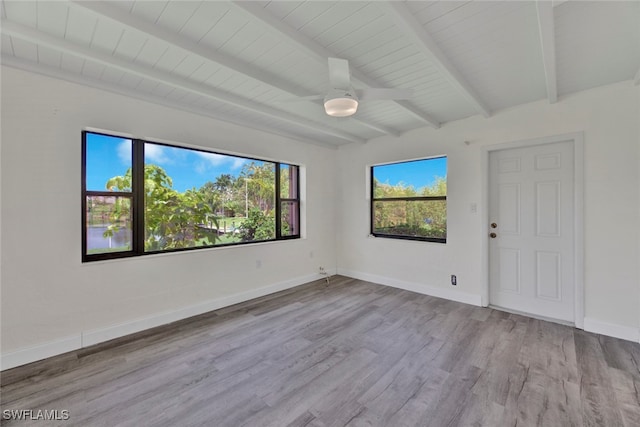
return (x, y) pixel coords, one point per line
(373, 200)
(137, 197)
(280, 199)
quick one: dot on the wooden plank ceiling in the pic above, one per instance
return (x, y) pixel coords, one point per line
(250, 62)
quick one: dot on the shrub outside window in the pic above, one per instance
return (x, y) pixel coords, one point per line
(143, 197)
(409, 200)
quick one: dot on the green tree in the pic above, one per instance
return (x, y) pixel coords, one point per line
(211, 196)
(172, 219)
(258, 226)
(224, 186)
(415, 218)
(438, 188)
(260, 192)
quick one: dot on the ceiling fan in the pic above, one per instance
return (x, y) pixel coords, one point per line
(342, 99)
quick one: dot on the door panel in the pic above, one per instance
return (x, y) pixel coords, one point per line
(510, 270)
(548, 209)
(549, 161)
(509, 214)
(531, 193)
(548, 275)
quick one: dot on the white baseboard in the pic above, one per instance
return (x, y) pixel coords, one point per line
(87, 338)
(420, 288)
(612, 330)
(96, 336)
(40, 351)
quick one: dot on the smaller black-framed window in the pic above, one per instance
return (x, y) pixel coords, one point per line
(409, 200)
(141, 197)
(288, 201)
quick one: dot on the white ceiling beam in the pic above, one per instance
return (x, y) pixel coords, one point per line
(148, 29)
(45, 70)
(548, 43)
(405, 20)
(321, 54)
(29, 34)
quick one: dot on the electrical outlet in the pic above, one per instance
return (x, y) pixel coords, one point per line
(454, 280)
(322, 272)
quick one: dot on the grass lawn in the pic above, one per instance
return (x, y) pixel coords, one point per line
(228, 223)
(227, 238)
(105, 250)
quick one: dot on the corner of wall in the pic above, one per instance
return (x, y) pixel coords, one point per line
(612, 330)
(463, 297)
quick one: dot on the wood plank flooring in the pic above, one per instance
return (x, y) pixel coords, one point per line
(347, 353)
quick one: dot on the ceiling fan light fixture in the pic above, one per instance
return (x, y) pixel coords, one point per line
(342, 105)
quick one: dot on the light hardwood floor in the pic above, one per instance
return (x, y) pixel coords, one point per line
(349, 353)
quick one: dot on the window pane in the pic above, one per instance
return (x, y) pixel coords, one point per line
(108, 224)
(288, 181)
(107, 157)
(426, 177)
(414, 218)
(289, 218)
(195, 198)
(189, 198)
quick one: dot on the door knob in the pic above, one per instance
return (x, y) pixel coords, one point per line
(494, 225)
(493, 235)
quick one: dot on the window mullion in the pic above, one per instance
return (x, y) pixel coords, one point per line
(109, 193)
(138, 196)
(278, 203)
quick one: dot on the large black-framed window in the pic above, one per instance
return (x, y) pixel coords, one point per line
(141, 197)
(409, 200)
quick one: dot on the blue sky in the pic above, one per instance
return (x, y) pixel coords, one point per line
(109, 156)
(412, 173)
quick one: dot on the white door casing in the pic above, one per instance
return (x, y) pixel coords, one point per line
(532, 257)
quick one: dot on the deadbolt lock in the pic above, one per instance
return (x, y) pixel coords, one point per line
(494, 225)
(493, 235)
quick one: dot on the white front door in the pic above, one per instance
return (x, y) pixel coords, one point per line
(531, 215)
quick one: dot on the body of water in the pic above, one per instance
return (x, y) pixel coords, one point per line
(96, 239)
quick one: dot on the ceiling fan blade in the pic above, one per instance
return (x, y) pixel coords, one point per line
(383, 93)
(339, 73)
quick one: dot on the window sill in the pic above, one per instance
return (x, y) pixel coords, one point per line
(188, 251)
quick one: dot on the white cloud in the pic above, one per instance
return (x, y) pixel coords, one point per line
(238, 163)
(154, 153)
(218, 160)
(201, 168)
(212, 158)
(124, 152)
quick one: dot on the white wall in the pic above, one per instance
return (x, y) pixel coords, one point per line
(51, 302)
(608, 116)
